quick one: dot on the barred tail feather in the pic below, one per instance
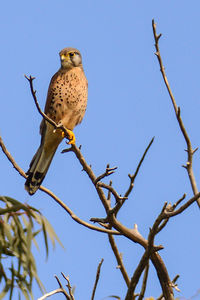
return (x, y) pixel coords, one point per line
(38, 169)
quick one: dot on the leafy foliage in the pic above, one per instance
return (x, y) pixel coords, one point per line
(17, 233)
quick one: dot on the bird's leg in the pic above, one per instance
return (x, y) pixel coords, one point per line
(71, 136)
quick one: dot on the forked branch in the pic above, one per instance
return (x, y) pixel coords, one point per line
(177, 111)
(68, 295)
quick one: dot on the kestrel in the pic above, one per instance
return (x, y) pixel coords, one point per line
(66, 104)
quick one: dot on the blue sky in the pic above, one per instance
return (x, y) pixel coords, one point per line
(128, 104)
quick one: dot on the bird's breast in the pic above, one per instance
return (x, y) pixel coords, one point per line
(68, 98)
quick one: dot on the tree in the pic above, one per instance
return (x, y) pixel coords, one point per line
(110, 224)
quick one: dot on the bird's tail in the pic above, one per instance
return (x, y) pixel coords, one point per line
(38, 168)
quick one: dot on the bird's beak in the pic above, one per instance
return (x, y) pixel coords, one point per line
(63, 57)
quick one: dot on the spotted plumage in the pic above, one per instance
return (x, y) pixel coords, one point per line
(66, 104)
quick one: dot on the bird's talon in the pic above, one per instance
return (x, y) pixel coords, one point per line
(71, 137)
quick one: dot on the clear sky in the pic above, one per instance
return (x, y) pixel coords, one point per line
(128, 104)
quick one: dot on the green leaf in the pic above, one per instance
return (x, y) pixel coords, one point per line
(53, 236)
(24, 292)
(40, 284)
(7, 231)
(5, 290)
(12, 282)
(9, 199)
(29, 238)
(45, 238)
(35, 243)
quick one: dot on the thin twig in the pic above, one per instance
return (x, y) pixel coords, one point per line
(132, 177)
(109, 171)
(144, 282)
(179, 201)
(51, 294)
(173, 282)
(190, 151)
(97, 279)
(62, 288)
(112, 190)
(68, 286)
(109, 192)
(119, 259)
(183, 207)
(136, 276)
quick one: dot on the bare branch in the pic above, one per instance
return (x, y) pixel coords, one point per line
(183, 207)
(109, 171)
(97, 278)
(60, 290)
(172, 283)
(74, 217)
(68, 286)
(109, 192)
(132, 177)
(190, 151)
(51, 194)
(144, 282)
(136, 276)
(63, 290)
(51, 294)
(112, 190)
(119, 259)
(11, 159)
(179, 201)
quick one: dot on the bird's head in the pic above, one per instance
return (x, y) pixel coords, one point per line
(70, 57)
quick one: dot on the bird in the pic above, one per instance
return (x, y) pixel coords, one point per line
(66, 105)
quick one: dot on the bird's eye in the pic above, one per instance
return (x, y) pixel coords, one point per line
(71, 54)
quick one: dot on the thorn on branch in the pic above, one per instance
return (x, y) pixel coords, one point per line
(195, 150)
(159, 36)
(185, 167)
